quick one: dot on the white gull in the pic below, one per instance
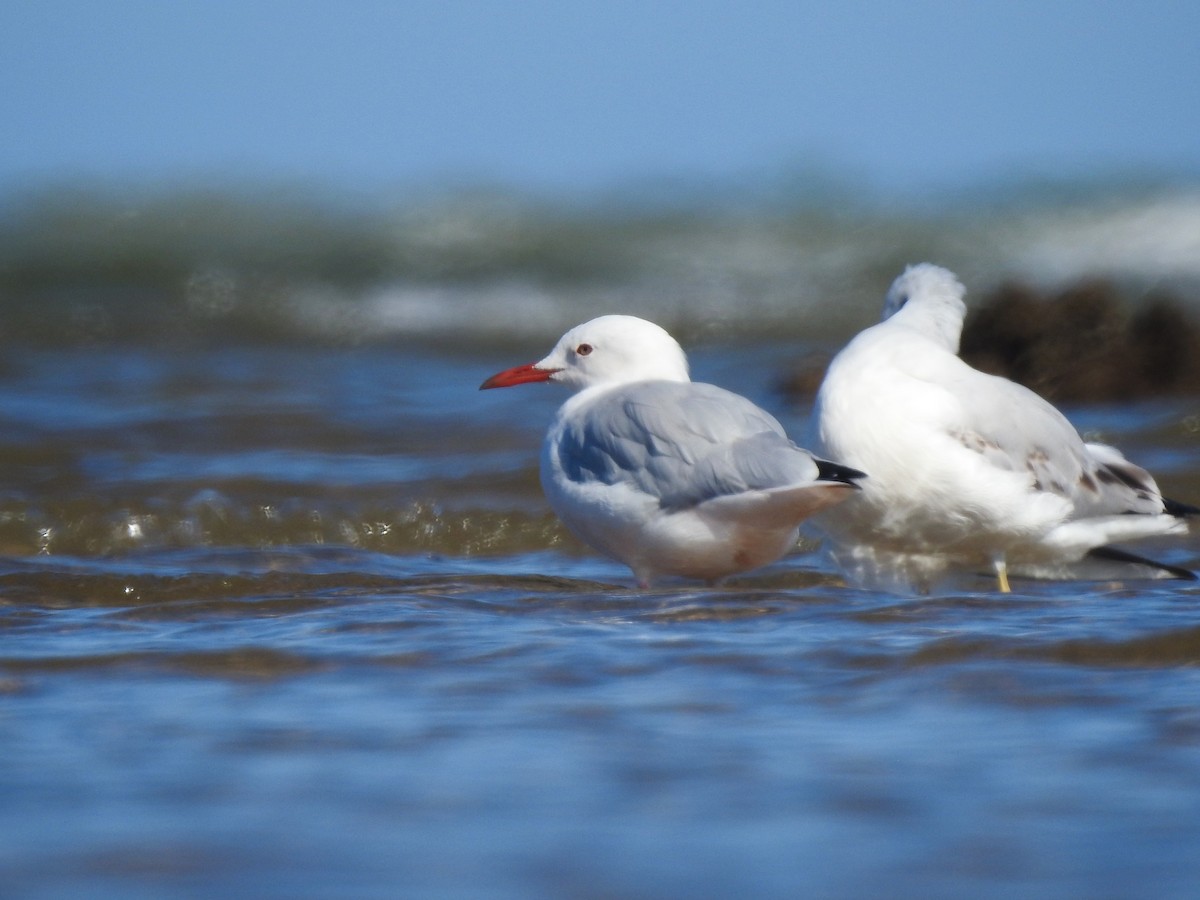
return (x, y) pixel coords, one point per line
(969, 470)
(669, 476)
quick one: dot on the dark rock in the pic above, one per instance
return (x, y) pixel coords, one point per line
(1084, 344)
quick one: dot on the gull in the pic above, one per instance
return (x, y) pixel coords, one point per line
(969, 470)
(669, 476)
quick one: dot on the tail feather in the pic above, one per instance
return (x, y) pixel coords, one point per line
(779, 507)
(1175, 508)
(1113, 554)
(831, 471)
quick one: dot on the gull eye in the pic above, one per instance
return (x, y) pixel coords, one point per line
(583, 349)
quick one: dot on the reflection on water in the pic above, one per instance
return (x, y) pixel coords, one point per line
(295, 621)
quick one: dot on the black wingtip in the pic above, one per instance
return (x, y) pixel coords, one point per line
(831, 471)
(1112, 554)
(1181, 510)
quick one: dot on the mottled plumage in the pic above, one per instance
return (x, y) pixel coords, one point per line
(967, 469)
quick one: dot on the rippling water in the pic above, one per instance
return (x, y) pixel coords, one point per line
(283, 612)
(295, 621)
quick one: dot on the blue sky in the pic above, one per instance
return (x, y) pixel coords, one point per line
(570, 96)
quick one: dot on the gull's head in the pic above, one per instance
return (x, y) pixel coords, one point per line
(608, 350)
(929, 299)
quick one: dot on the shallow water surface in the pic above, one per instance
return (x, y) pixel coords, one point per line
(295, 621)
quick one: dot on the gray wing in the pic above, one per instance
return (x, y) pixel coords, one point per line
(1014, 429)
(683, 443)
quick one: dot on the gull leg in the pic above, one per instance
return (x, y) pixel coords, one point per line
(1001, 568)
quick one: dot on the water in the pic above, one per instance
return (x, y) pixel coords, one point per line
(283, 614)
(88, 265)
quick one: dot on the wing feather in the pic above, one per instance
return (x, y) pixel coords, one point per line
(681, 442)
(1014, 429)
